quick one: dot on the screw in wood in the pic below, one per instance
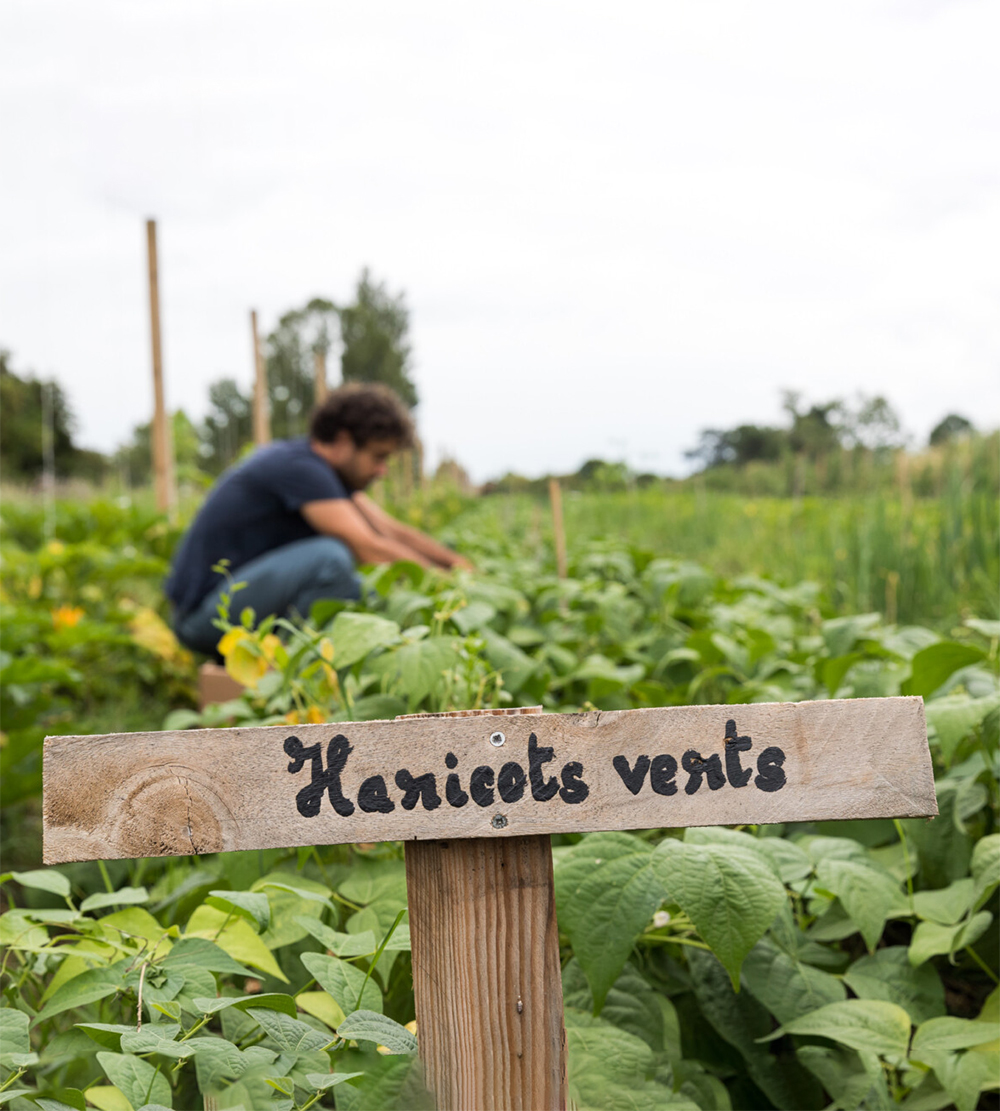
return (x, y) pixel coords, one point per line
(499, 821)
(497, 739)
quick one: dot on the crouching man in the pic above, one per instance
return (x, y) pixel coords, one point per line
(293, 519)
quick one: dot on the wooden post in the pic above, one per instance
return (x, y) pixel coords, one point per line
(162, 441)
(555, 496)
(319, 367)
(261, 416)
(489, 1002)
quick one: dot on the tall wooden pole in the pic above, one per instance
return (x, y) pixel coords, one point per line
(162, 441)
(555, 495)
(489, 999)
(319, 366)
(261, 415)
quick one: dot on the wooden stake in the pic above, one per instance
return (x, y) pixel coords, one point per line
(261, 416)
(162, 441)
(489, 1000)
(319, 366)
(555, 496)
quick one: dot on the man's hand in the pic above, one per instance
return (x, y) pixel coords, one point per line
(342, 518)
(437, 554)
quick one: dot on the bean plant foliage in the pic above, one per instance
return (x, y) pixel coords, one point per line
(811, 965)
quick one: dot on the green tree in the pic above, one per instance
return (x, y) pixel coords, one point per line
(228, 428)
(375, 333)
(953, 427)
(22, 415)
(291, 351)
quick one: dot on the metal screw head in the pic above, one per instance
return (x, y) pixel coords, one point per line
(497, 739)
(499, 821)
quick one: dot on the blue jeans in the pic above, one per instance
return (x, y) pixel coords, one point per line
(283, 581)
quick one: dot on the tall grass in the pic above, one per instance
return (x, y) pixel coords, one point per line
(926, 560)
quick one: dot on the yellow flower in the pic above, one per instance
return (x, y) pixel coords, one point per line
(66, 617)
(230, 640)
(326, 649)
(269, 645)
(56, 547)
(315, 716)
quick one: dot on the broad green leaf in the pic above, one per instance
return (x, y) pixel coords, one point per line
(607, 1069)
(200, 952)
(152, 1039)
(787, 987)
(985, 868)
(321, 1081)
(631, 1004)
(87, 987)
(276, 1001)
(989, 629)
(789, 860)
(13, 1093)
(121, 897)
(135, 1078)
(61, 1099)
(473, 616)
(218, 1060)
(369, 1026)
(234, 936)
(516, 666)
(965, 1075)
(354, 635)
(108, 1034)
(933, 665)
(344, 982)
(847, 1075)
(739, 1019)
(250, 905)
(416, 670)
(947, 905)
(946, 1034)
(868, 1025)
(869, 895)
(43, 879)
(955, 716)
(606, 892)
(290, 1034)
(14, 1036)
(931, 940)
(730, 893)
(289, 896)
(888, 975)
(343, 945)
(372, 881)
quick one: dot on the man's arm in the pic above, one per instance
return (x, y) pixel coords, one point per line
(413, 538)
(341, 518)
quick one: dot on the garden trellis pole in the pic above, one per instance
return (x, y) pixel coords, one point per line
(319, 370)
(559, 532)
(475, 798)
(161, 439)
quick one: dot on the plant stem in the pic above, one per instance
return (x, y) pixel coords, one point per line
(982, 964)
(108, 885)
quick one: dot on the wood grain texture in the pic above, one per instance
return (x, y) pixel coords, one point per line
(198, 791)
(486, 973)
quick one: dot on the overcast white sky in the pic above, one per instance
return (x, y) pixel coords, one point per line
(615, 224)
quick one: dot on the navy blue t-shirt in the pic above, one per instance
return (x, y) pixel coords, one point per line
(253, 509)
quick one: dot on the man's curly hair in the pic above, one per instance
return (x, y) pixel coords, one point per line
(367, 411)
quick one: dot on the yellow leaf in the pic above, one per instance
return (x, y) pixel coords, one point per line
(315, 716)
(56, 547)
(151, 632)
(107, 1098)
(292, 717)
(269, 645)
(237, 939)
(230, 640)
(326, 649)
(321, 1005)
(245, 664)
(136, 922)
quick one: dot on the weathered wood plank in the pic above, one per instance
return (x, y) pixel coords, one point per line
(486, 973)
(199, 791)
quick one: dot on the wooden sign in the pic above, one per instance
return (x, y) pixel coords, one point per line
(424, 778)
